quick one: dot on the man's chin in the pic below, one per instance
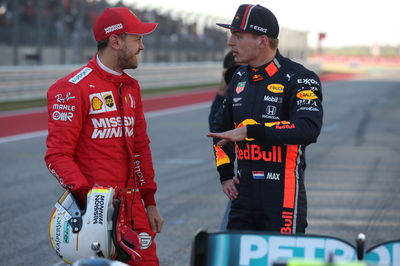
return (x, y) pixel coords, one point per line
(131, 66)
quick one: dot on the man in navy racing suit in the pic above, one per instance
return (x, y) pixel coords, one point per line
(272, 112)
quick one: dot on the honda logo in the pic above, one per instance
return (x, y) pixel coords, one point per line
(271, 110)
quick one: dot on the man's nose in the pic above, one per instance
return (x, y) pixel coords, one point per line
(230, 41)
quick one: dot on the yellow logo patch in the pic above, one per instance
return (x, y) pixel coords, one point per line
(306, 95)
(276, 88)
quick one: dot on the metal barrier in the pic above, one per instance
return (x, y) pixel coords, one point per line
(31, 82)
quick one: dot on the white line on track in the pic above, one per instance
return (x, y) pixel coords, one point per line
(23, 136)
(148, 115)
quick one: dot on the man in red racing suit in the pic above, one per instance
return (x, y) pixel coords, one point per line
(97, 130)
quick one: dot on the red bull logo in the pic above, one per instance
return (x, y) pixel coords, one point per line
(281, 125)
(253, 152)
(287, 223)
(247, 122)
(257, 77)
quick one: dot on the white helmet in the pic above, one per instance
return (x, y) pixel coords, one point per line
(75, 235)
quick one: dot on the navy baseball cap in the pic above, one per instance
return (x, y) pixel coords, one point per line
(255, 19)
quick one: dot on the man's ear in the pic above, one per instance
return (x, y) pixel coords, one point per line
(263, 41)
(115, 42)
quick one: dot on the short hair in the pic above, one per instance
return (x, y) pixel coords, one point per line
(273, 43)
(103, 44)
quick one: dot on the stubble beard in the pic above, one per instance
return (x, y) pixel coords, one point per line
(125, 60)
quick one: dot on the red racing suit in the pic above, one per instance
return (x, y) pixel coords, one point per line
(97, 136)
(280, 103)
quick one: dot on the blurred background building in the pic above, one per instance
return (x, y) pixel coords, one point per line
(42, 32)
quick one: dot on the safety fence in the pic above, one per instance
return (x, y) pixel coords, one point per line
(31, 82)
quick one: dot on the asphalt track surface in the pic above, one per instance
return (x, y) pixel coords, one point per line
(352, 178)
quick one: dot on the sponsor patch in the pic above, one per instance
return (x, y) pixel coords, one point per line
(280, 125)
(272, 99)
(62, 116)
(112, 127)
(283, 126)
(145, 240)
(66, 232)
(240, 87)
(258, 174)
(62, 211)
(78, 77)
(102, 102)
(64, 107)
(98, 212)
(130, 101)
(308, 108)
(270, 110)
(306, 102)
(256, 77)
(258, 28)
(306, 95)
(220, 156)
(270, 113)
(255, 152)
(289, 76)
(108, 99)
(246, 122)
(113, 28)
(271, 69)
(60, 99)
(273, 176)
(308, 82)
(275, 88)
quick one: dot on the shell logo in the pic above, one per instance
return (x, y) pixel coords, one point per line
(306, 95)
(276, 88)
(97, 104)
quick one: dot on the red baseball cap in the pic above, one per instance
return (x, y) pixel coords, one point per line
(119, 20)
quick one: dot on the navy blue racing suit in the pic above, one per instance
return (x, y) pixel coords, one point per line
(280, 104)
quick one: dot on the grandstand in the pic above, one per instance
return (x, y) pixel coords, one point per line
(42, 32)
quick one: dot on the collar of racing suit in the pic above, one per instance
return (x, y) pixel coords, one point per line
(124, 78)
(265, 71)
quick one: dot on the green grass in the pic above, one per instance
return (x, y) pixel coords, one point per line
(10, 106)
(18, 105)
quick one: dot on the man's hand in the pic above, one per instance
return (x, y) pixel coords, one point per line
(229, 188)
(237, 134)
(155, 219)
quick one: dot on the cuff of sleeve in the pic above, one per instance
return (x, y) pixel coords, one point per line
(225, 172)
(149, 199)
(255, 131)
(80, 195)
